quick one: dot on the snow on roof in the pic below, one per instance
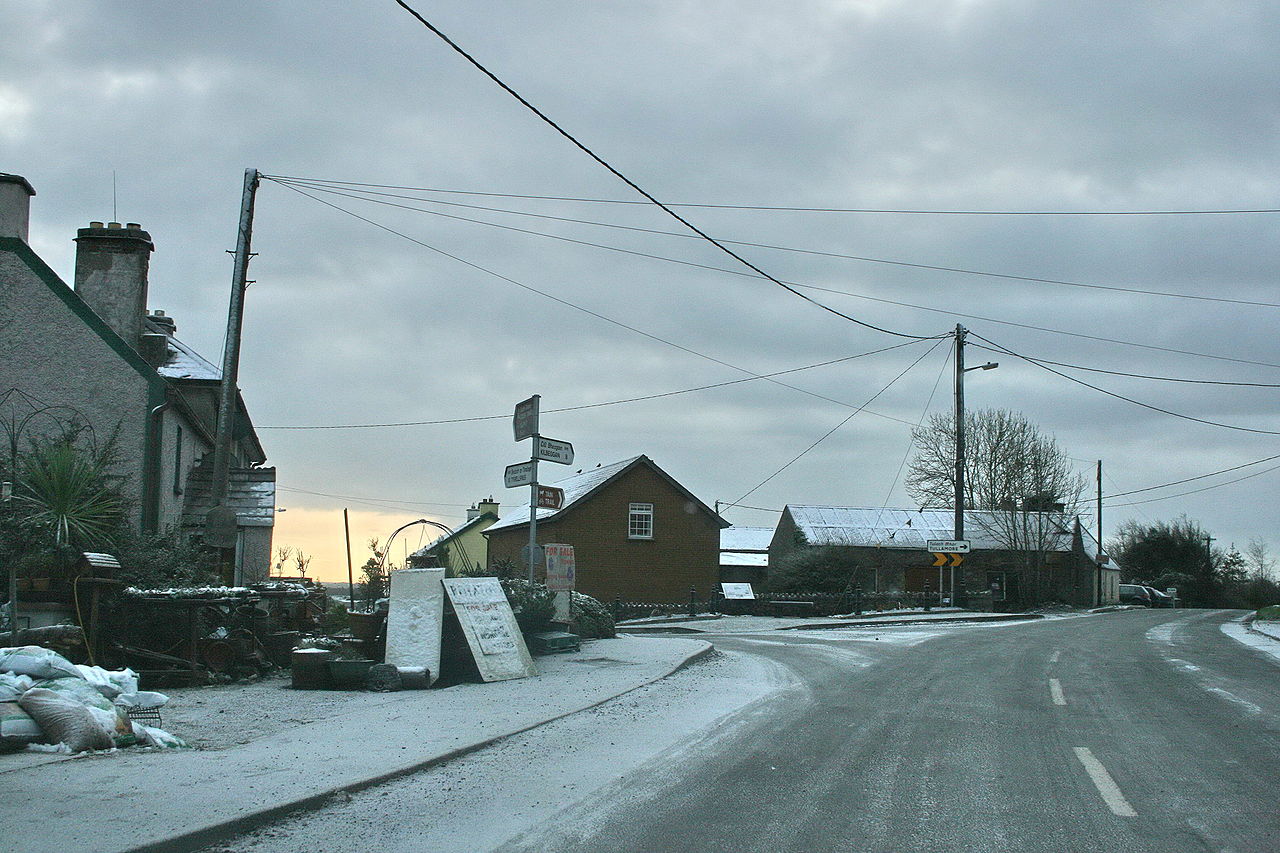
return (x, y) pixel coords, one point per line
(741, 558)
(910, 528)
(746, 538)
(575, 488)
(448, 537)
(185, 363)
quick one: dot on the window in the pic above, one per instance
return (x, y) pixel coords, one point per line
(177, 462)
(640, 521)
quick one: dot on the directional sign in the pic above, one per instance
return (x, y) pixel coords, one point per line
(947, 546)
(549, 497)
(554, 451)
(519, 474)
(525, 422)
(944, 559)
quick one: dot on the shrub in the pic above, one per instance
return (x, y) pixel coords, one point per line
(822, 569)
(591, 618)
(533, 604)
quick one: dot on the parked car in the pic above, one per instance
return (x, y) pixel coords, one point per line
(1132, 593)
(1160, 599)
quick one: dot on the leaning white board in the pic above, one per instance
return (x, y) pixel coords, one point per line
(490, 628)
(415, 619)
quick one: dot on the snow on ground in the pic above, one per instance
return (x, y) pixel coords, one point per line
(453, 807)
(1263, 642)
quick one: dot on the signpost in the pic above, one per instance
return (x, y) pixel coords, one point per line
(947, 552)
(549, 497)
(519, 474)
(525, 424)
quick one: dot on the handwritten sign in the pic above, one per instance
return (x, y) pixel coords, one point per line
(737, 591)
(490, 628)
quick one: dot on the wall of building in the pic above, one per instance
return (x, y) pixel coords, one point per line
(683, 553)
(48, 352)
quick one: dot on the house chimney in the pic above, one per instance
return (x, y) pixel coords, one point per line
(111, 275)
(473, 513)
(15, 206)
(489, 505)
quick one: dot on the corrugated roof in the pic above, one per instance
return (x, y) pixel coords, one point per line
(910, 528)
(746, 538)
(575, 488)
(251, 492)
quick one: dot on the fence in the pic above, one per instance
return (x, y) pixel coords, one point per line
(776, 604)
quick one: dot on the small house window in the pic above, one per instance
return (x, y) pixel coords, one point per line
(640, 521)
(177, 461)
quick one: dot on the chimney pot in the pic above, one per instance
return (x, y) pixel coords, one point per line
(115, 225)
(132, 225)
(96, 224)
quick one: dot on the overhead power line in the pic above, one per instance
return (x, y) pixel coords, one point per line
(653, 199)
(1139, 375)
(801, 209)
(945, 311)
(1192, 479)
(1203, 489)
(364, 195)
(563, 409)
(1140, 403)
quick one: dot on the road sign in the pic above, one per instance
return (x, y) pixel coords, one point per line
(554, 451)
(944, 559)
(549, 497)
(561, 567)
(948, 546)
(519, 474)
(525, 421)
(531, 557)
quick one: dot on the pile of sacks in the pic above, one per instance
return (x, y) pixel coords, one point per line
(46, 699)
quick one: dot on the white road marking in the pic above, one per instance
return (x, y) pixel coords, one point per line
(1106, 786)
(1055, 690)
(1057, 653)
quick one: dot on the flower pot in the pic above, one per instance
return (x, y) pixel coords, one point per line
(349, 674)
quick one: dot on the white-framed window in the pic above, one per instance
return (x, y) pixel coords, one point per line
(640, 521)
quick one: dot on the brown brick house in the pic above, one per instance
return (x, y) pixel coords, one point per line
(636, 533)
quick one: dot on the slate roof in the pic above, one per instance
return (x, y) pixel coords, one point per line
(909, 528)
(746, 538)
(184, 362)
(449, 537)
(581, 485)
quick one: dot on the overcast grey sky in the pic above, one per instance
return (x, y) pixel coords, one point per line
(953, 106)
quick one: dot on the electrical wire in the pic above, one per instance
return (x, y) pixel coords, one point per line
(898, 303)
(832, 431)
(1202, 489)
(364, 196)
(574, 306)
(620, 176)
(797, 209)
(1123, 397)
(610, 402)
(1140, 375)
(1191, 479)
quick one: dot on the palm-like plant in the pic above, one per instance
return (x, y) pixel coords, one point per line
(69, 493)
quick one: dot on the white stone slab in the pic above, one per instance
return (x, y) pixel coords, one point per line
(490, 628)
(415, 619)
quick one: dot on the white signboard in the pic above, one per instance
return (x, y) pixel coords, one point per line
(415, 619)
(737, 591)
(554, 451)
(490, 628)
(519, 474)
(561, 567)
(947, 546)
(525, 422)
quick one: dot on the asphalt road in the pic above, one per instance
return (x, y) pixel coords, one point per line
(1134, 731)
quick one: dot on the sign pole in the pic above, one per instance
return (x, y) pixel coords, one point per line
(533, 510)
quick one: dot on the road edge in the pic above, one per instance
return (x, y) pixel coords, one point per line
(205, 836)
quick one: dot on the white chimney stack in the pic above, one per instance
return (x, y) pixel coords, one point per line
(15, 206)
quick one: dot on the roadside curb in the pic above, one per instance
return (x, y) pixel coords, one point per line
(1250, 625)
(865, 623)
(208, 835)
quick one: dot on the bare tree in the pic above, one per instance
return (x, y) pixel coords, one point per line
(1258, 559)
(1012, 469)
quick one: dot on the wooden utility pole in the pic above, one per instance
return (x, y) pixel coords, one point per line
(220, 529)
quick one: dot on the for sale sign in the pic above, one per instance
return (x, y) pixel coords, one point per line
(561, 567)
